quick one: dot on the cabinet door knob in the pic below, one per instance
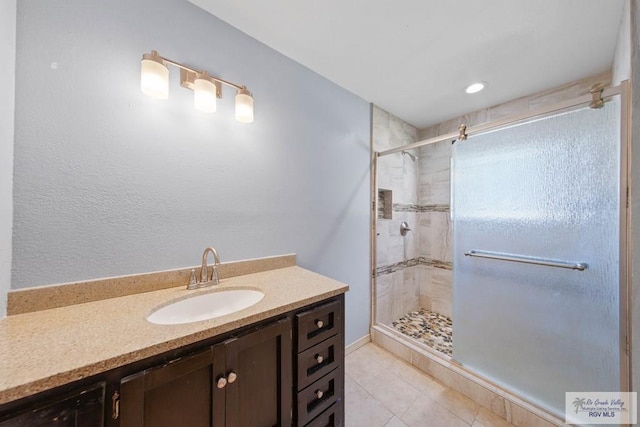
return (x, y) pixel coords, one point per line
(222, 382)
(319, 323)
(232, 377)
(319, 358)
(319, 394)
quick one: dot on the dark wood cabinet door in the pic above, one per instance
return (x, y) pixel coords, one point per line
(179, 393)
(260, 394)
(82, 408)
(241, 382)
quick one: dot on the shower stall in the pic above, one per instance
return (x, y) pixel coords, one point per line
(502, 249)
(414, 257)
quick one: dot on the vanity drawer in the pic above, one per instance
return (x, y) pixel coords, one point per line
(332, 417)
(320, 395)
(319, 360)
(318, 324)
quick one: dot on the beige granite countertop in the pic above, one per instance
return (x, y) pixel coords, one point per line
(48, 348)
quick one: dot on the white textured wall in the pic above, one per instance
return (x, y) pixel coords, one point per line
(7, 84)
(111, 182)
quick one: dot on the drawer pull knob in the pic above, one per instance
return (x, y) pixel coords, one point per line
(222, 382)
(319, 323)
(319, 394)
(232, 377)
(319, 358)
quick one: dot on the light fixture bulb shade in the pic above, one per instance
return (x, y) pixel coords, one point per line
(204, 94)
(154, 76)
(244, 106)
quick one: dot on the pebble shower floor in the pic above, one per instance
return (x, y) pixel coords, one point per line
(428, 327)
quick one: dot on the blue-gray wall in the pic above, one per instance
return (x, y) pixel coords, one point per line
(7, 73)
(111, 182)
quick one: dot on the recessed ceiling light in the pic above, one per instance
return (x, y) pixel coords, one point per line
(475, 87)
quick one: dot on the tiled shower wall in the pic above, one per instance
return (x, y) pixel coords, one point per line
(436, 286)
(397, 278)
(413, 270)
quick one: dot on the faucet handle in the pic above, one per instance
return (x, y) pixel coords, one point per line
(214, 275)
(193, 282)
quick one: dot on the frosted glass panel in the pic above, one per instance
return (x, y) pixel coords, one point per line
(547, 189)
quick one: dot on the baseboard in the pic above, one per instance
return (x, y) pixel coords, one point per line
(357, 344)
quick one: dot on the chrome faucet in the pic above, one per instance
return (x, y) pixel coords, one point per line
(204, 271)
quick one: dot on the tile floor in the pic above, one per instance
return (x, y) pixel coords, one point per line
(383, 390)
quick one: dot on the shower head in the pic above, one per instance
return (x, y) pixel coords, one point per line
(412, 156)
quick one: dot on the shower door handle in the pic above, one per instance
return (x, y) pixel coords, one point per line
(580, 266)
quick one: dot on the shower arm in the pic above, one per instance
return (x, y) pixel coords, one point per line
(411, 156)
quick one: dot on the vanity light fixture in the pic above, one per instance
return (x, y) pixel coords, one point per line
(475, 87)
(154, 82)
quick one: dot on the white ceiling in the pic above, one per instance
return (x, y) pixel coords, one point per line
(414, 58)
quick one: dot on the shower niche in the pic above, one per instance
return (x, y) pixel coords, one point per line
(385, 204)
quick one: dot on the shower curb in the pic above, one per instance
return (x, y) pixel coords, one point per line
(504, 404)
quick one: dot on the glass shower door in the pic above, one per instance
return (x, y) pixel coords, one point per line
(547, 192)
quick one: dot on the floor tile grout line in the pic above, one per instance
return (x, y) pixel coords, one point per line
(371, 396)
(400, 417)
(380, 358)
(450, 411)
(417, 392)
(475, 416)
(446, 387)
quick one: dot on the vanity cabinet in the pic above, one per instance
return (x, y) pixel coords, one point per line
(284, 371)
(243, 381)
(80, 408)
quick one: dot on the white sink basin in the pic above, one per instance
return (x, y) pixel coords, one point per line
(205, 306)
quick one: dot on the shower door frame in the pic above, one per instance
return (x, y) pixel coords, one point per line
(624, 91)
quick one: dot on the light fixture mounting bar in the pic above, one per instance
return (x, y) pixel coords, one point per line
(188, 77)
(185, 68)
(596, 96)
